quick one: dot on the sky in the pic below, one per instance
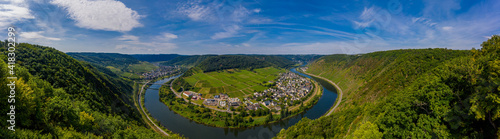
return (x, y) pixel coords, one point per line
(250, 26)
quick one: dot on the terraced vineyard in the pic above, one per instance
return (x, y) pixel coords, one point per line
(234, 82)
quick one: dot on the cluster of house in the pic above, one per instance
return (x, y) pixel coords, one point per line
(289, 87)
(222, 100)
(160, 72)
(192, 95)
(303, 68)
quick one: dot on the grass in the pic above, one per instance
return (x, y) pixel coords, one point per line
(141, 67)
(133, 70)
(236, 83)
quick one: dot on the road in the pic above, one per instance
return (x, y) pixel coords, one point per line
(338, 88)
(140, 105)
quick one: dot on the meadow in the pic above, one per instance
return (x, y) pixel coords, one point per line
(234, 82)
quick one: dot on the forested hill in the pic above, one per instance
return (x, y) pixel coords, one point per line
(242, 62)
(187, 61)
(60, 97)
(154, 57)
(302, 58)
(106, 59)
(425, 93)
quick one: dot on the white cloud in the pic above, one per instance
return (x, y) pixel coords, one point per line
(246, 44)
(447, 28)
(109, 15)
(157, 44)
(36, 35)
(425, 21)
(194, 10)
(128, 38)
(13, 12)
(167, 36)
(147, 46)
(256, 10)
(229, 32)
(368, 13)
(367, 17)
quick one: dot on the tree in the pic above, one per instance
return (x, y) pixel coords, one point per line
(367, 130)
(270, 117)
(486, 101)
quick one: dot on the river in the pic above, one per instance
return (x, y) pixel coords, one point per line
(178, 124)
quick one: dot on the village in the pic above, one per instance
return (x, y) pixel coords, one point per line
(160, 72)
(288, 90)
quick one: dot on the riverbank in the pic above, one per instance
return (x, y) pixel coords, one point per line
(151, 122)
(239, 119)
(185, 127)
(339, 98)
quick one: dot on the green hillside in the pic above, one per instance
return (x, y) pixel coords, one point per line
(186, 61)
(426, 93)
(119, 64)
(242, 62)
(154, 57)
(303, 58)
(219, 62)
(117, 60)
(60, 97)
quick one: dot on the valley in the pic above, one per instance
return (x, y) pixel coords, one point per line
(248, 94)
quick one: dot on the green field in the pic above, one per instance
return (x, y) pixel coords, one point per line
(141, 67)
(236, 83)
(132, 71)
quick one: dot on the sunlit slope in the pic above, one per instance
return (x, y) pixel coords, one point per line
(421, 93)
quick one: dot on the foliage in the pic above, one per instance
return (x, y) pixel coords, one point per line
(222, 62)
(120, 61)
(154, 57)
(115, 64)
(59, 97)
(426, 93)
(187, 61)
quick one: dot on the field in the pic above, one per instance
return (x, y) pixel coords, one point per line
(235, 83)
(141, 67)
(133, 69)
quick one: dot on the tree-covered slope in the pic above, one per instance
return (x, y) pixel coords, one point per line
(302, 58)
(117, 60)
(187, 61)
(242, 62)
(154, 57)
(115, 64)
(60, 97)
(426, 93)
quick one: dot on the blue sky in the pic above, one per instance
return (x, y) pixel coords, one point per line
(251, 26)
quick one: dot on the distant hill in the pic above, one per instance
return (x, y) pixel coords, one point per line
(242, 62)
(187, 61)
(58, 96)
(154, 57)
(416, 93)
(106, 59)
(118, 64)
(303, 58)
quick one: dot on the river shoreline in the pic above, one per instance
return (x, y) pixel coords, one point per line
(311, 98)
(183, 126)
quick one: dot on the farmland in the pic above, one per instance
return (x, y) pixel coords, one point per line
(234, 82)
